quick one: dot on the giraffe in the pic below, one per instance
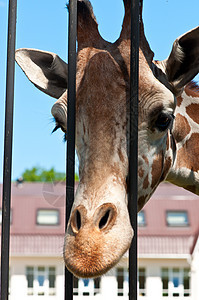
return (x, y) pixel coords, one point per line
(99, 230)
(184, 171)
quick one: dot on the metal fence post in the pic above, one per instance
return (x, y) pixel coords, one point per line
(70, 166)
(133, 150)
(133, 145)
(5, 233)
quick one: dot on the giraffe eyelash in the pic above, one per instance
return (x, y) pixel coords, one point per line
(65, 138)
(57, 126)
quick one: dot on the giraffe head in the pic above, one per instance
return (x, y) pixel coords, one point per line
(99, 231)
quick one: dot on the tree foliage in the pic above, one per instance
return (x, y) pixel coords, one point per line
(43, 175)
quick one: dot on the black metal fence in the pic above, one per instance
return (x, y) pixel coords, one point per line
(5, 232)
(70, 165)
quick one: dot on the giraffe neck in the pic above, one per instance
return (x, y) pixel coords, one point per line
(185, 169)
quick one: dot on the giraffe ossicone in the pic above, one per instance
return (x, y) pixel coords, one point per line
(99, 230)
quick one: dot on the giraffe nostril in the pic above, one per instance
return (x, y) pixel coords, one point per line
(76, 222)
(106, 216)
(104, 220)
(78, 219)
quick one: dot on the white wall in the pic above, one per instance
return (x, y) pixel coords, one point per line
(153, 273)
(108, 282)
(18, 282)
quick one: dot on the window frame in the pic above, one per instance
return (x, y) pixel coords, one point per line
(92, 288)
(40, 290)
(178, 225)
(179, 290)
(123, 290)
(142, 273)
(144, 224)
(48, 209)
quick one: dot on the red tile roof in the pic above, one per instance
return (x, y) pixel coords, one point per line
(34, 245)
(175, 245)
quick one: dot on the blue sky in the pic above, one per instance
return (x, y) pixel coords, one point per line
(43, 24)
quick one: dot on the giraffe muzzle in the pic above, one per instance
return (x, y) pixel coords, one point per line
(93, 242)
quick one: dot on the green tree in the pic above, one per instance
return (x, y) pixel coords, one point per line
(42, 175)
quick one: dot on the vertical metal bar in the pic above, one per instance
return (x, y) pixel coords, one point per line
(70, 167)
(5, 235)
(133, 146)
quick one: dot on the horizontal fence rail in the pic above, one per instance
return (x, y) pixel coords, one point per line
(7, 168)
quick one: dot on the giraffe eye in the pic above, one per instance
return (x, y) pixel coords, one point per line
(163, 121)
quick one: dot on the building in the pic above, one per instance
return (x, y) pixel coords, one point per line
(168, 248)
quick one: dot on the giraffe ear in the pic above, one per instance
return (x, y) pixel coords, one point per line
(182, 64)
(47, 71)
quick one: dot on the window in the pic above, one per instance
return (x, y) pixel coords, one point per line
(177, 218)
(141, 218)
(51, 279)
(48, 217)
(142, 281)
(165, 281)
(175, 282)
(86, 287)
(40, 280)
(123, 282)
(30, 279)
(186, 282)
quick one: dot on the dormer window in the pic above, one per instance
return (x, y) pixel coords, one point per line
(141, 218)
(177, 218)
(47, 217)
